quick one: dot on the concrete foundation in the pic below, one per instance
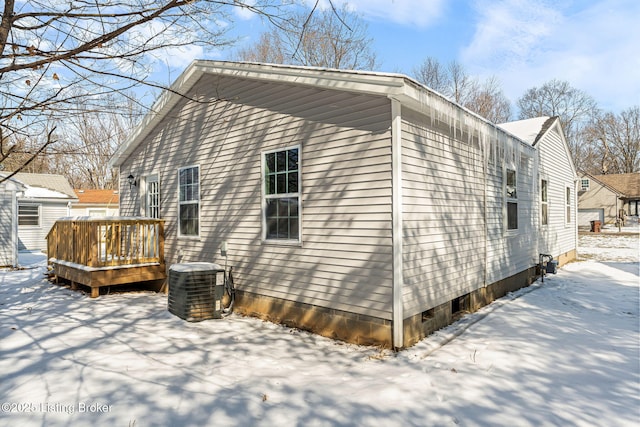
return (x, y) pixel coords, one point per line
(368, 330)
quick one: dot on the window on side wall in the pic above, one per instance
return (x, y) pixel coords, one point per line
(281, 204)
(584, 184)
(511, 190)
(28, 215)
(189, 201)
(568, 205)
(544, 202)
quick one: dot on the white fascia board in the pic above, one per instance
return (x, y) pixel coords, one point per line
(158, 111)
(350, 81)
(45, 200)
(416, 97)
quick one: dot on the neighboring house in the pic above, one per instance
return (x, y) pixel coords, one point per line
(9, 191)
(604, 197)
(46, 198)
(96, 203)
(359, 205)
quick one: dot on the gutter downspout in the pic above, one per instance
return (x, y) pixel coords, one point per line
(397, 322)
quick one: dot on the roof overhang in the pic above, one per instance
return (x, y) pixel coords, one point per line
(383, 84)
(399, 87)
(12, 184)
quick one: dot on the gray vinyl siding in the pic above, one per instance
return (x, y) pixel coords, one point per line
(443, 241)
(511, 251)
(559, 236)
(8, 247)
(454, 213)
(33, 237)
(344, 260)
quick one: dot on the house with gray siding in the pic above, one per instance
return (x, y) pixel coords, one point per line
(9, 190)
(557, 177)
(47, 197)
(359, 205)
(606, 198)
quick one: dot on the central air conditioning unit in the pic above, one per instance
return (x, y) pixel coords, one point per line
(196, 290)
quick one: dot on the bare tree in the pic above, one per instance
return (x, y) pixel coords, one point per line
(615, 140)
(451, 80)
(574, 108)
(488, 100)
(56, 55)
(327, 38)
(434, 75)
(90, 138)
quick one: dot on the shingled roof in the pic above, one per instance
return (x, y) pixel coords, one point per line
(52, 182)
(628, 184)
(102, 197)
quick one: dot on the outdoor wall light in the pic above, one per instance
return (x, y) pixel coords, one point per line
(132, 181)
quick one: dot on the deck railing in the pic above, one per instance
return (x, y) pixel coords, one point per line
(107, 241)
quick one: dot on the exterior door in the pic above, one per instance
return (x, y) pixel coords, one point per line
(153, 197)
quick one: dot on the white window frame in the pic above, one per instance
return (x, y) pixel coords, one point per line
(266, 197)
(584, 187)
(96, 212)
(147, 195)
(196, 202)
(38, 216)
(510, 198)
(544, 202)
(567, 213)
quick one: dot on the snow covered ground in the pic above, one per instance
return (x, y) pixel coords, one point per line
(562, 353)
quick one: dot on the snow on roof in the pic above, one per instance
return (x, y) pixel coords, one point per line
(527, 129)
(11, 183)
(54, 182)
(43, 193)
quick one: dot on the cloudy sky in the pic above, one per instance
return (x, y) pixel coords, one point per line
(592, 44)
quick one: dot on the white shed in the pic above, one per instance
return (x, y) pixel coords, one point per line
(46, 198)
(9, 190)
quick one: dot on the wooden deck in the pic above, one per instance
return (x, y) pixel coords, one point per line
(107, 251)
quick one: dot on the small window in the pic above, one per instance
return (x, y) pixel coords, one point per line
(29, 215)
(544, 202)
(568, 202)
(189, 201)
(584, 184)
(512, 200)
(282, 195)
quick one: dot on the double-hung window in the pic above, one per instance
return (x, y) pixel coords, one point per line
(544, 202)
(512, 199)
(189, 201)
(282, 195)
